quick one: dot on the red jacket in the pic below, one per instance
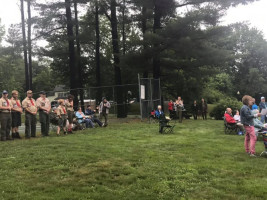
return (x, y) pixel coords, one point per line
(170, 106)
(229, 119)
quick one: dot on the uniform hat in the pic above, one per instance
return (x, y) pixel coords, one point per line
(5, 92)
(262, 98)
(42, 92)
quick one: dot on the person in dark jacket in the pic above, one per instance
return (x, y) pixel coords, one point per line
(91, 113)
(204, 108)
(247, 120)
(195, 109)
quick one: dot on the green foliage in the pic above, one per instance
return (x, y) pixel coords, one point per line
(225, 102)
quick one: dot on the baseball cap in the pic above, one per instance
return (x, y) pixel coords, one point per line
(5, 92)
(42, 92)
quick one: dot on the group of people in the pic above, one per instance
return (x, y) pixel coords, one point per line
(11, 110)
(248, 121)
(176, 108)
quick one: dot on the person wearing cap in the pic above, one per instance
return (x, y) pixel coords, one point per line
(16, 111)
(262, 105)
(30, 107)
(44, 106)
(70, 111)
(5, 116)
(104, 110)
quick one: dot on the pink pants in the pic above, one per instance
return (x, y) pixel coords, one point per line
(250, 139)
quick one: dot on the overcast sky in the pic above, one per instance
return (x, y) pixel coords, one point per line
(254, 13)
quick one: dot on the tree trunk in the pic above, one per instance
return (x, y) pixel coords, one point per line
(144, 29)
(24, 46)
(123, 29)
(97, 53)
(156, 26)
(79, 67)
(74, 76)
(30, 42)
(116, 53)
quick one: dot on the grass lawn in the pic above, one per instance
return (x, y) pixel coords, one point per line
(132, 161)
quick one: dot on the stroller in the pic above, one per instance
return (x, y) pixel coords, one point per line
(152, 117)
(264, 136)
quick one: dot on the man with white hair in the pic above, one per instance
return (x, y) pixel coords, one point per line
(162, 119)
(230, 119)
(262, 106)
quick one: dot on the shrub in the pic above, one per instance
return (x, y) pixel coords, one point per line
(228, 102)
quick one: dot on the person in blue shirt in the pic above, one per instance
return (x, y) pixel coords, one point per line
(262, 105)
(83, 119)
(254, 106)
(162, 119)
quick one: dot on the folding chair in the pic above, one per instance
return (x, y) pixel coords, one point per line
(230, 128)
(164, 125)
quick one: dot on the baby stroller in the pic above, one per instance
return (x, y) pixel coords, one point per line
(264, 136)
(152, 117)
(53, 121)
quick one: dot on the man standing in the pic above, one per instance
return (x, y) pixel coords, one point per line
(44, 106)
(29, 105)
(5, 116)
(262, 105)
(16, 112)
(104, 110)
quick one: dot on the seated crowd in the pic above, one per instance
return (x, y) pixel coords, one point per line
(63, 116)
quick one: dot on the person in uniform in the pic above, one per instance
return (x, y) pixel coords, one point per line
(104, 110)
(5, 116)
(44, 107)
(70, 111)
(16, 111)
(62, 117)
(30, 107)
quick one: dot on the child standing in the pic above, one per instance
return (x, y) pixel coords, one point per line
(247, 121)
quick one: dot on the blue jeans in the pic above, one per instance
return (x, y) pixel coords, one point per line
(263, 118)
(88, 123)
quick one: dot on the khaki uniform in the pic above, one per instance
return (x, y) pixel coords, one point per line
(62, 114)
(44, 116)
(70, 110)
(16, 116)
(30, 119)
(5, 118)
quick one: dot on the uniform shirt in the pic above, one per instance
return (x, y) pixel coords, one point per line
(69, 105)
(15, 103)
(30, 104)
(43, 103)
(5, 103)
(61, 110)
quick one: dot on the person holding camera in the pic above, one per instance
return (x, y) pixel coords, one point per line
(104, 110)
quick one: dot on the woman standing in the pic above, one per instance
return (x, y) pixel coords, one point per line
(195, 110)
(170, 108)
(62, 115)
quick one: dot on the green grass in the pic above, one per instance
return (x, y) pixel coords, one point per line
(132, 161)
